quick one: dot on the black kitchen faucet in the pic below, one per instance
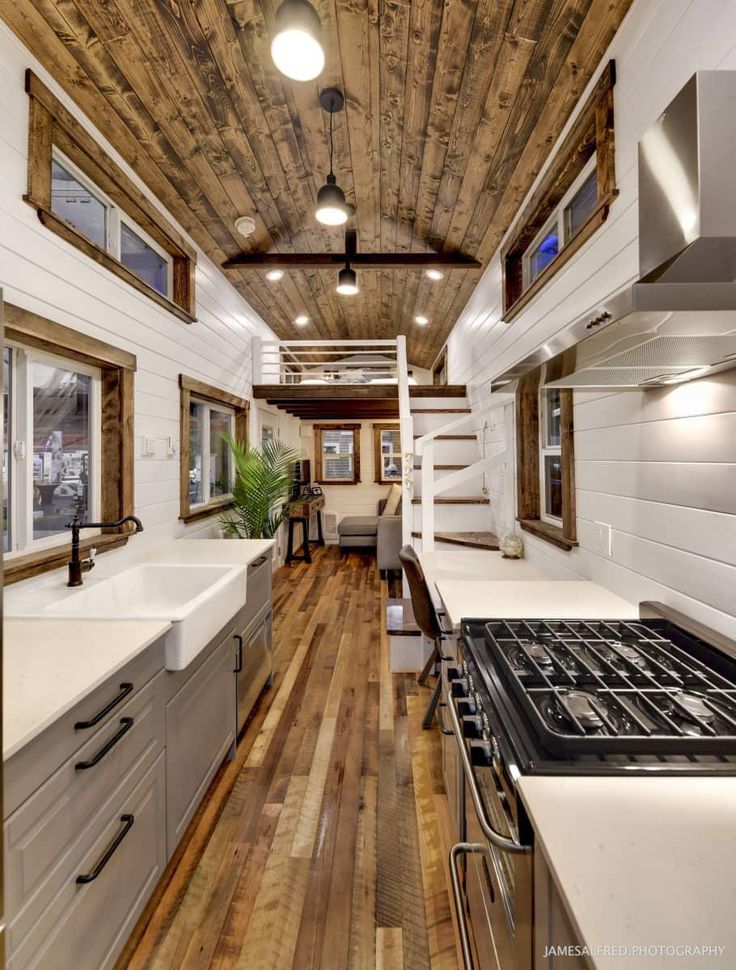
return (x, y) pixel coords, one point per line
(79, 566)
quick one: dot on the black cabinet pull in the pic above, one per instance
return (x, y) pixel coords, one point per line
(125, 689)
(126, 724)
(239, 661)
(86, 877)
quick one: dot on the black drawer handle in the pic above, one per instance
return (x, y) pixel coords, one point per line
(126, 724)
(127, 821)
(239, 661)
(125, 689)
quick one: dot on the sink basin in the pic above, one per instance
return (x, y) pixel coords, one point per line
(197, 600)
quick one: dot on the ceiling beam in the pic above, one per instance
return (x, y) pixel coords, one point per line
(261, 261)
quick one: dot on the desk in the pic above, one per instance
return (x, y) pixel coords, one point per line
(301, 512)
(472, 566)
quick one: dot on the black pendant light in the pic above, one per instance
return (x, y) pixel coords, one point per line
(296, 48)
(347, 281)
(332, 210)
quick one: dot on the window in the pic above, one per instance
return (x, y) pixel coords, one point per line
(61, 389)
(550, 455)
(209, 415)
(79, 202)
(387, 452)
(337, 453)
(545, 471)
(573, 212)
(570, 204)
(83, 195)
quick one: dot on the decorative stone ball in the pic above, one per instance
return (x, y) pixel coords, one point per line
(511, 545)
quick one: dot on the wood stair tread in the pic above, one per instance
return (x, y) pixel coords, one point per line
(400, 619)
(437, 390)
(440, 410)
(456, 500)
(471, 540)
(451, 437)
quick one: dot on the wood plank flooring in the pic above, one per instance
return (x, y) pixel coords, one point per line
(322, 846)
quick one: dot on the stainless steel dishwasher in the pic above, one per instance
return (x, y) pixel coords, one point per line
(254, 642)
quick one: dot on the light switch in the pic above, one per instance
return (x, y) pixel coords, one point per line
(602, 539)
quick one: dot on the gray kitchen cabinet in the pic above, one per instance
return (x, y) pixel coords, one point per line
(88, 922)
(200, 730)
(556, 941)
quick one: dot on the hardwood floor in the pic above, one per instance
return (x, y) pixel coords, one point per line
(323, 844)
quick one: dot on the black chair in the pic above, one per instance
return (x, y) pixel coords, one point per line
(426, 619)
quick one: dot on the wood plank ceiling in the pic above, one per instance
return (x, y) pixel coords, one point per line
(451, 108)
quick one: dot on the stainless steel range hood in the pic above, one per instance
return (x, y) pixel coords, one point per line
(679, 321)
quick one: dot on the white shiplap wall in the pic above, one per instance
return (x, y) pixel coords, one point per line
(42, 273)
(658, 466)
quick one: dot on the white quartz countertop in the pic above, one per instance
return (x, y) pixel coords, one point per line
(642, 862)
(530, 599)
(49, 665)
(472, 564)
(212, 552)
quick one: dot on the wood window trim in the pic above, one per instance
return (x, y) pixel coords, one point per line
(190, 387)
(318, 429)
(117, 368)
(592, 133)
(52, 126)
(378, 454)
(440, 365)
(528, 494)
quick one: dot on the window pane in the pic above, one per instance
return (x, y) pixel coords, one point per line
(390, 454)
(74, 202)
(552, 411)
(543, 254)
(7, 357)
(553, 485)
(196, 425)
(337, 455)
(61, 447)
(143, 260)
(582, 207)
(219, 453)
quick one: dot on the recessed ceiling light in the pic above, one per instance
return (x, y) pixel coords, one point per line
(274, 275)
(434, 274)
(246, 225)
(296, 47)
(301, 320)
(421, 319)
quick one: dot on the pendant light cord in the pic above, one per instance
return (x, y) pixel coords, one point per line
(331, 142)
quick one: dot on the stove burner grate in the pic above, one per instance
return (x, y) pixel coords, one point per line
(617, 687)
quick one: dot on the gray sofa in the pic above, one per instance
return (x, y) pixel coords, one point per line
(379, 532)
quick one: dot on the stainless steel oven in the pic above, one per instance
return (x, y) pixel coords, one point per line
(491, 863)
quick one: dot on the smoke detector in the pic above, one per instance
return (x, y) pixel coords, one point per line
(246, 225)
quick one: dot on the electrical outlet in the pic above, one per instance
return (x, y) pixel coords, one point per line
(602, 539)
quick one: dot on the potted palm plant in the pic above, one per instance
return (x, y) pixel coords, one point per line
(260, 489)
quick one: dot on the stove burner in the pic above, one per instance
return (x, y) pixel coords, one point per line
(695, 706)
(629, 653)
(539, 655)
(583, 707)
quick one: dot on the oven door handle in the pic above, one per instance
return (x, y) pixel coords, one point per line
(458, 850)
(496, 838)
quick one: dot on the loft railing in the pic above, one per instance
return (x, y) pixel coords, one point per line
(319, 362)
(425, 452)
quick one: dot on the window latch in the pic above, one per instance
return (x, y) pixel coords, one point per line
(19, 450)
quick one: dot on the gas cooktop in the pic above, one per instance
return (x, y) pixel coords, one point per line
(607, 695)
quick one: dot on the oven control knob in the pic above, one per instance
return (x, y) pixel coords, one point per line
(460, 687)
(472, 726)
(466, 706)
(465, 668)
(495, 753)
(481, 754)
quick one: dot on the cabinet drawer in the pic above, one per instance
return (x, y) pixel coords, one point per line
(40, 758)
(56, 816)
(85, 925)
